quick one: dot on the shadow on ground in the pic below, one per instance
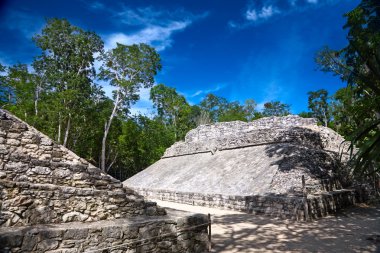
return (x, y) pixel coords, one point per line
(353, 230)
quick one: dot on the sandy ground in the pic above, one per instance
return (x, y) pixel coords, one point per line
(355, 229)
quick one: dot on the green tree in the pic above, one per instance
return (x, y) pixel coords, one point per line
(4, 88)
(275, 108)
(66, 66)
(250, 110)
(319, 106)
(231, 111)
(359, 65)
(213, 105)
(19, 91)
(128, 68)
(172, 108)
(305, 114)
(142, 142)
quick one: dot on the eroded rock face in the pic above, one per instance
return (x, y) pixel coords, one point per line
(42, 182)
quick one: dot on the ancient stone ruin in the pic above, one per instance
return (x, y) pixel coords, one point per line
(53, 201)
(280, 166)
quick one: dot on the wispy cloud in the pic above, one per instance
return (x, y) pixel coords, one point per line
(206, 91)
(264, 13)
(159, 37)
(25, 23)
(260, 11)
(152, 26)
(97, 5)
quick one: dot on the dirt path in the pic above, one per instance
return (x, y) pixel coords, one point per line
(354, 230)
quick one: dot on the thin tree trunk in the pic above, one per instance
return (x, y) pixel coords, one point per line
(175, 127)
(106, 131)
(59, 128)
(67, 130)
(36, 98)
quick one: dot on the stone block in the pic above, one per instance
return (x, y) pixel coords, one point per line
(75, 234)
(49, 244)
(41, 170)
(13, 142)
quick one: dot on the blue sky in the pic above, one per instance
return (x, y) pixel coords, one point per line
(261, 49)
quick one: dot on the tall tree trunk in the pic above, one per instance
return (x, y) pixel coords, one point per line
(67, 130)
(106, 131)
(325, 118)
(36, 98)
(59, 128)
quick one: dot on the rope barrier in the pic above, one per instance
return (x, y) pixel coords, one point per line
(106, 249)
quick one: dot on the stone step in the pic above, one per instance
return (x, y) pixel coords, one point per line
(177, 232)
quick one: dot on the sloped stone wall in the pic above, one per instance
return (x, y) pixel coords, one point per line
(43, 182)
(187, 234)
(53, 201)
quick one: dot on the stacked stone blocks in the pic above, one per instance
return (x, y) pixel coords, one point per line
(51, 200)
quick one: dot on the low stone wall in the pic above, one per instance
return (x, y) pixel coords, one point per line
(23, 203)
(143, 234)
(287, 207)
(217, 130)
(301, 136)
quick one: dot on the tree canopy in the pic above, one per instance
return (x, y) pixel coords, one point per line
(359, 65)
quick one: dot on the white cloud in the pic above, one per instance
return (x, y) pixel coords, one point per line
(155, 27)
(143, 16)
(251, 15)
(267, 11)
(156, 36)
(259, 11)
(264, 13)
(206, 91)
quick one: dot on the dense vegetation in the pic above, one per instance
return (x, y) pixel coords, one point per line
(59, 95)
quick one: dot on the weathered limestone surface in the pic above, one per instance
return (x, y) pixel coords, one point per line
(265, 158)
(277, 205)
(238, 134)
(45, 189)
(136, 234)
(43, 182)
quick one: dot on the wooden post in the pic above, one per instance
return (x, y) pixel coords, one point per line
(303, 183)
(305, 205)
(209, 232)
